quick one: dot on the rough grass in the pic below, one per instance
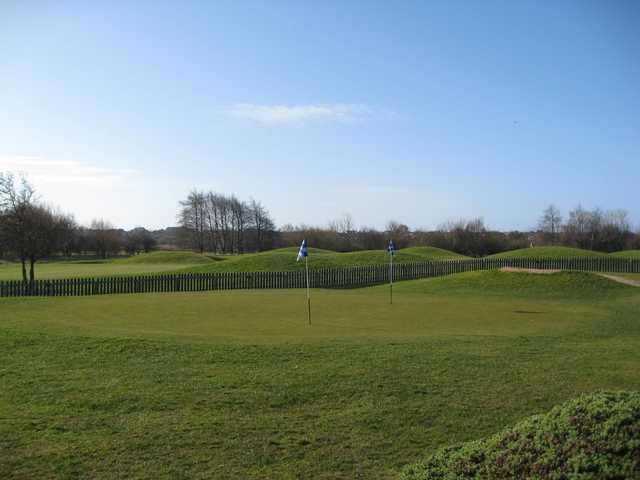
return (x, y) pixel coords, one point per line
(237, 385)
(595, 436)
(283, 259)
(548, 252)
(569, 284)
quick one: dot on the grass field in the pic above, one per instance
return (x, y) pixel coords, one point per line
(236, 385)
(76, 269)
(279, 260)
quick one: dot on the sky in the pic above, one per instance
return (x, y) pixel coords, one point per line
(421, 112)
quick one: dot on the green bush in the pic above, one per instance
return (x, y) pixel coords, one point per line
(595, 436)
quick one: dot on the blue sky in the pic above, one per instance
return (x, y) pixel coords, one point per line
(416, 111)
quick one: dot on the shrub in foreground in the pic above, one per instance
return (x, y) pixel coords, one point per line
(595, 436)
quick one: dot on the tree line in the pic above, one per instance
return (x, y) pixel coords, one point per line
(597, 229)
(468, 237)
(215, 222)
(31, 230)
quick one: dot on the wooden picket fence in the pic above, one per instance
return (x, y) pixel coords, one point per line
(350, 277)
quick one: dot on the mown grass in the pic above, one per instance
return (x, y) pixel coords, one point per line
(93, 268)
(236, 385)
(627, 254)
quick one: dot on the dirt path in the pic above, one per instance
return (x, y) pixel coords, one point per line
(540, 271)
(615, 278)
(626, 281)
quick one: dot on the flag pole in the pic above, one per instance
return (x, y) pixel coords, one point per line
(391, 279)
(306, 264)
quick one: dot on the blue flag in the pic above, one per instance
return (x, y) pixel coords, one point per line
(303, 251)
(391, 248)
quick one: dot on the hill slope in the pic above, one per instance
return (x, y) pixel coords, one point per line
(548, 252)
(168, 257)
(593, 436)
(519, 285)
(284, 259)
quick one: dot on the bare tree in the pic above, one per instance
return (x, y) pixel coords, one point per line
(577, 229)
(469, 237)
(344, 231)
(104, 240)
(550, 223)
(598, 230)
(29, 229)
(239, 220)
(344, 224)
(225, 224)
(399, 233)
(261, 224)
(192, 218)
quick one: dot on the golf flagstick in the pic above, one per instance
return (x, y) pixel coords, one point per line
(304, 253)
(306, 264)
(391, 280)
(392, 251)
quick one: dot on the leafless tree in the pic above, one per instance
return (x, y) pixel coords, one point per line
(225, 224)
(399, 233)
(192, 218)
(262, 225)
(239, 222)
(468, 237)
(598, 230)
(550, 223)
(28, 228)
(139, 240)
(103, 238)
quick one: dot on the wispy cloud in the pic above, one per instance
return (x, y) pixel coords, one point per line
(280, 114)
(42, 171)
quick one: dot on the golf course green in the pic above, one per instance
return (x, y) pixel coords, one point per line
(236, 384)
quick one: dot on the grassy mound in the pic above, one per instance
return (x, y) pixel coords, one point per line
(284, 259)
(595, 436)
(175, 258)
(432, 253)
(520, 284)
(548, 252)
(626, 254)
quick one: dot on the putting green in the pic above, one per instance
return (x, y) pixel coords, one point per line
(237, 385)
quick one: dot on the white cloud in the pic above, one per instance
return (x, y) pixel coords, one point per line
(45, 171)
(280, 114)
